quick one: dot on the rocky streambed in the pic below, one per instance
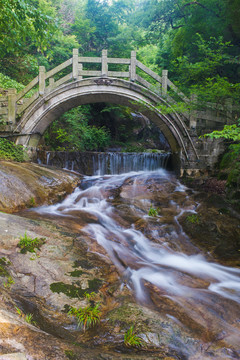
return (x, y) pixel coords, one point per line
(82, 255)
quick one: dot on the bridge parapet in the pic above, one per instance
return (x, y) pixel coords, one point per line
(13, 105)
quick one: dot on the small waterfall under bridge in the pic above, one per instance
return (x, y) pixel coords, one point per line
(101, 163)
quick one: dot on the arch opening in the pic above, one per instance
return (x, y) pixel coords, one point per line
(44, 111)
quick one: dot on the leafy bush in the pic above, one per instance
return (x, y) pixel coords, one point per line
(131, 339)
(27, 317)
(26, 244)
(6, 82)
(72, 132)
(11, 151)
(229, 132)
(86, 317)
(153, 212)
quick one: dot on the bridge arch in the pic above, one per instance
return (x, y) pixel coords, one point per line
(51, 105)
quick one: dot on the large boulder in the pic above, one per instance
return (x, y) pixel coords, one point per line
(25, 185)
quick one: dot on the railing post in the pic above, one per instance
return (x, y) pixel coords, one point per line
(133, 66)
(104, 63)
(51, 82)
(12, 106)
(75, 64)
(41, 80)
(80, 67)
(164, 82)
(193, 113)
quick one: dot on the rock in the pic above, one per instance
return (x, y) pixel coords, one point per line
(25, 185)
(14, 356)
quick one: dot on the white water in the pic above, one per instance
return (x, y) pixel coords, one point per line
(139, 259)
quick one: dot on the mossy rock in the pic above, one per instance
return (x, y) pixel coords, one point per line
(73, 291)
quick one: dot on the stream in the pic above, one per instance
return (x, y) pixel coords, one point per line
(155, 258)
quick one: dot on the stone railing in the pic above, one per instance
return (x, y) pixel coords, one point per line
(13, 104)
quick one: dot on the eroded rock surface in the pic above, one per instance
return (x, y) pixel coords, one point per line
(26, 184)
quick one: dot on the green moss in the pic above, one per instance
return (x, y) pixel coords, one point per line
(70, 290)
(3, 271)
(76, 273)
(85, 264)
(3, 263)
(193, 219)
(126, 315)
(94, 285)
(73, 291)
(70, 355)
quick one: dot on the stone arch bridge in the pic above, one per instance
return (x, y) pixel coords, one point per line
(27, 114)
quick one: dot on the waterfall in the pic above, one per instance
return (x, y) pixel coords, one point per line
(106, 163)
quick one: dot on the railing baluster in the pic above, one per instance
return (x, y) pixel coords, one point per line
(42, 72)
(164, 81)
(12, 106)
(80, 68)
(133, 66)
(75, 64)
(104, 63)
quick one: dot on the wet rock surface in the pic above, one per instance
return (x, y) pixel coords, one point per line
(25, 185)
(178, 318)
(215, 228)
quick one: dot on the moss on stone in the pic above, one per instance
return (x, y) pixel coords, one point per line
(70, 290)
(76, 273)
(3, 263)
(85, 264)
(73, 291)
(94, 285)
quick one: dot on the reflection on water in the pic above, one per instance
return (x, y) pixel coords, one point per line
(154, 255)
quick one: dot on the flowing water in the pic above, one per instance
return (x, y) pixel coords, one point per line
(154, 256)
(101, 163)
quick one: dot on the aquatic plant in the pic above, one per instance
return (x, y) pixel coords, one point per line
(131, 339)
(86, 317)
(27, 243)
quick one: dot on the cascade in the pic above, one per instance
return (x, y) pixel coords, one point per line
(101, 163)
(159, 261)
(156, 259)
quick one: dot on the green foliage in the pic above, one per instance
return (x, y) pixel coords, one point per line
(72, 132)
(6, 82)
(87, 317)
(193, 219)
(11, 151)
(70, 355)
(32, 201)
(10, 281)
(153, 212)
(229, 132)
(131, 339)
(28, 244)
(27, 317)
(133, 148)
(22, 20)
(90, 296)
